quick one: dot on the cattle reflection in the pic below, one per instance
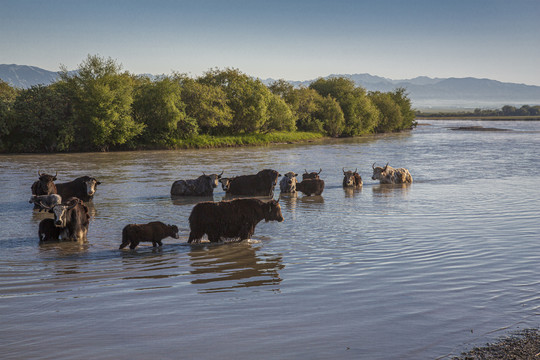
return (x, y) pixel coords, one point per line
(391, 190)
(190, 200)
(352, 191)
(63, 248)
(227, 267)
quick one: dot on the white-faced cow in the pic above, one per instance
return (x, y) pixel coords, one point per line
(83, 188)
(72, 218)
(310, 186)
(287, 185)
(230, 219)
(45, 185)
(226, 183)
(351, 178)
(44, 202)
(202, 186)
(260, 184)
(311, 175)
(389, 175)
(154, 231)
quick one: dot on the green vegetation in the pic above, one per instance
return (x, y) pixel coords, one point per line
(101, 107)
(507, 112)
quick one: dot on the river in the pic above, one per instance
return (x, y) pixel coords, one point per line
(417, 272)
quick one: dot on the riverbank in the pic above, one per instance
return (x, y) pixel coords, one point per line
(479, 118)
(522, 345)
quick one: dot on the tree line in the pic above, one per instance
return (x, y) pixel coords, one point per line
(101, 107)
(506, 110)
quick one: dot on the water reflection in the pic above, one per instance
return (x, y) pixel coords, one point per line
(352, 191)
(391, 190)
(63, 248)
(226, 267)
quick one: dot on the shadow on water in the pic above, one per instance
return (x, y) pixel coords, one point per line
(352, 191)
(232, 266)
(391, 190)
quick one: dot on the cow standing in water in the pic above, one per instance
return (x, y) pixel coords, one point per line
(204, 185)
(389, 175)
(287, 185)
(260, 184)
(230, 218)
(351, 179)
(72, 218)
(311, 175)
(154, 232)
(83, 188)
(45, 185)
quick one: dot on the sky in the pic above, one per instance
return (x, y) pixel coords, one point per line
(291, 40)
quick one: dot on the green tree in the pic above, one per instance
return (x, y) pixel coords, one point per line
(280, 116)
(158, 105)
(248, 98)
(401, 98)
(42, 120)
(390, 118)
(361, 116)
(307, 110)
(7, 98)
(102, 98)
(331, 115)
(207, 104)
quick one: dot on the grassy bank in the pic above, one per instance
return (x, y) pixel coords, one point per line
(207, 141)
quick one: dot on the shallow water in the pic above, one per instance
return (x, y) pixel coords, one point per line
(386, 272)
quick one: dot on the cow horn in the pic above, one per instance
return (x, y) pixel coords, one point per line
(320, 171)
(373, 166)
(343, 169)
(222, 171)
(43, 206)
(55, 174)
(75, 203)
(39, 173)
(356, 170)
(306, 171)
(203, 173)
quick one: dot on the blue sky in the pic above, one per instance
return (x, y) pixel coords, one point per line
(293, 40)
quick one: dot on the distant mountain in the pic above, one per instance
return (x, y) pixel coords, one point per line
(23, 76)
(424, 92)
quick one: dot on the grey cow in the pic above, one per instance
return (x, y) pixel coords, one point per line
(202, 186)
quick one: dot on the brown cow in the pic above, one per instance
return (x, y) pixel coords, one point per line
(389, 175)
(311, 175)
(45, 184)
(72, 218)
(154, 231)
(351, 179)
(230, 218)
(311, 186)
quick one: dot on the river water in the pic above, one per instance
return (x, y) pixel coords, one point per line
(417, 272)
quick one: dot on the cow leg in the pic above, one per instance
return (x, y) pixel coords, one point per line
(124, 244)
(194, 236)
(154, 244)
(133, 245)
(159, 243)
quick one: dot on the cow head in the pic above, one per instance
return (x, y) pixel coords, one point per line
(311, 175)
(90, 184)
(288, 183)
(172, 231)
(349, 177)
(45, 184)
(213, 179)
(61, 211)
(225, 183)
(272, 211)
(379, 172)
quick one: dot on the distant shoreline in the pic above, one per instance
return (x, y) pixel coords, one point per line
(479, 118)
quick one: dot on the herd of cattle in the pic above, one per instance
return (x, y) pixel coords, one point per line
(226, 219)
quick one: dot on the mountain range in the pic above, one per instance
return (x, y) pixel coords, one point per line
(424, 92)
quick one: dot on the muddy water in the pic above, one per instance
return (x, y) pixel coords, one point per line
(416, 272)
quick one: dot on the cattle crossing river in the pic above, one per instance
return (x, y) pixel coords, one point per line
(386, 272)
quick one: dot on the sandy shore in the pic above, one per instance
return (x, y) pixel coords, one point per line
(523, 345)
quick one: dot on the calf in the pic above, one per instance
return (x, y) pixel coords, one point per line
(48, 231)
(311, 186)
(288, 183)
(351, 179)
(154, 231)
(230, 218)
(311, 175)
(44, 202)
(45, 185)
(389, 175)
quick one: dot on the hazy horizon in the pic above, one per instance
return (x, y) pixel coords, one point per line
(296, 41)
